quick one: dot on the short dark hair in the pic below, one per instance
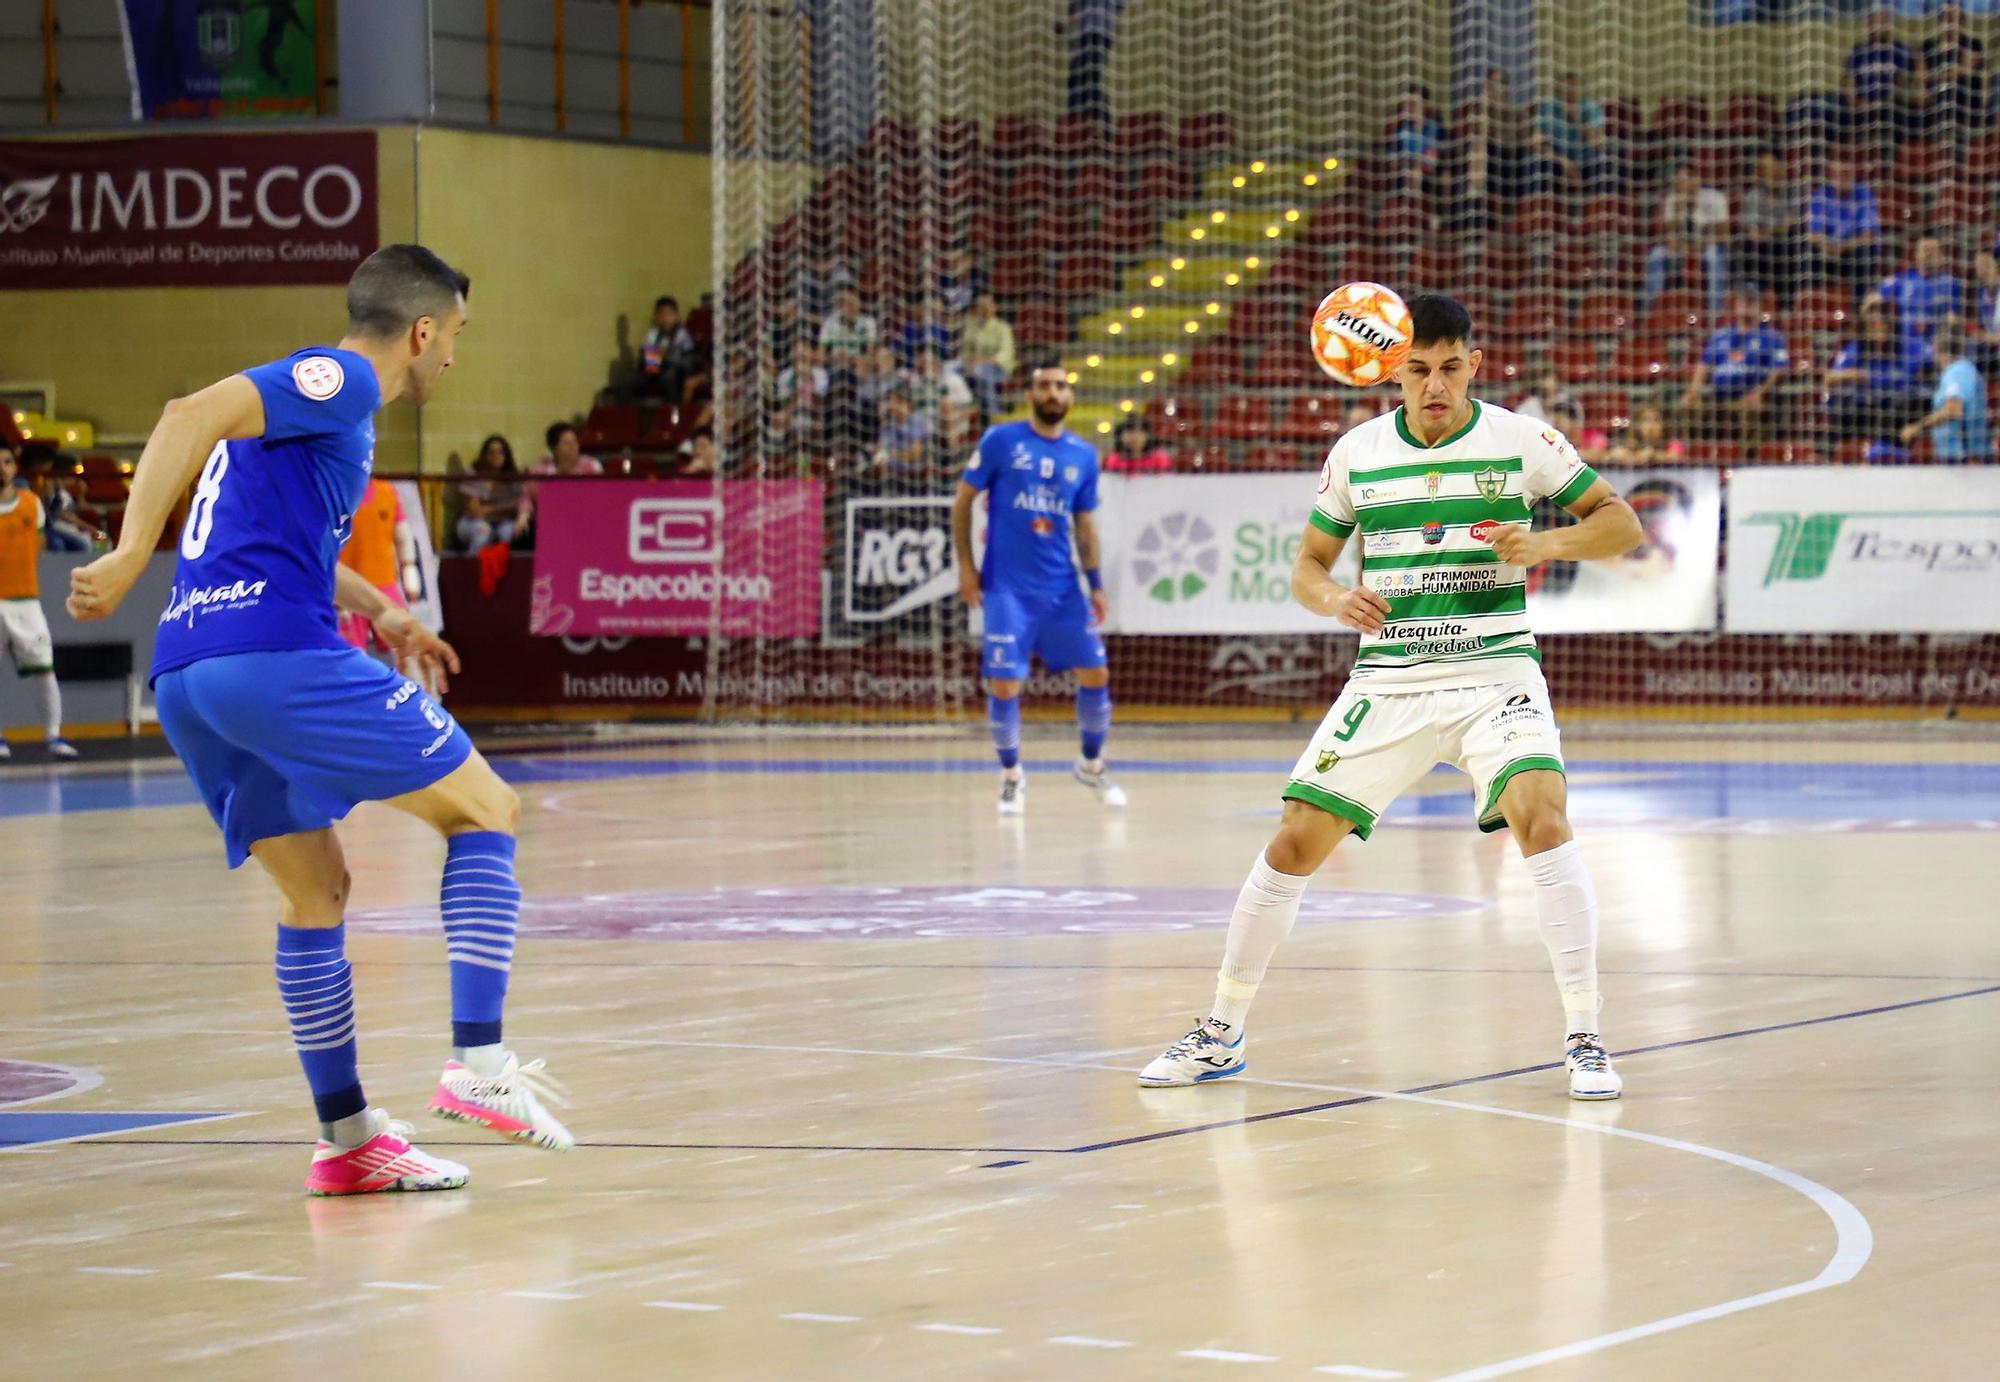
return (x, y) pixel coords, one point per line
(699, 433)
(1435, 317)
(555, 432)
(672, 302)
(1039, 360)
(398, 284)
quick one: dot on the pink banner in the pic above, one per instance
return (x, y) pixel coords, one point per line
(642, 558)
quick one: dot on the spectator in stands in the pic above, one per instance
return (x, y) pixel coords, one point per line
(492, 498)
(1919, 113)
(1878, 63)
(1983, 327)
(959, 281)
(986, 352)
(1957, 419)
(565, 454)
(1954, 64)
(1092, 27)
(1592, 443)
(1416, 134)
(1769, 223)
(1357, 413)
(925, 331)
(1692, 219)
(804, 383)
(848, 334)
(1647, 440)
(1844, 228)
(1574, 124)
(1545, 392)
(1133, 448)
(938, 389)
(1876, 383)
(1505, 126)
(1465, 182)
(667, 355)
(820, 280)
(697, 453)
(1927, 292)
(1740, 367)
(904, 446)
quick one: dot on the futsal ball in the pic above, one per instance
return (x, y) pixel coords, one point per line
(1361, 333)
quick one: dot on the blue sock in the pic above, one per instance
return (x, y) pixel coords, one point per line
(1093, 718)
(481, 904)
(1005, 718)
(317, 987)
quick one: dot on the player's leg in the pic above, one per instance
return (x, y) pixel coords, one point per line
(1513, 752)
(1005, 650)
(1367, 752)
(35, 659)
(1067, 643)
(479, 897)
(359, 1149)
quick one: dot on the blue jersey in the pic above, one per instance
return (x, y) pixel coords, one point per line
(1033, 486)
(271, 513)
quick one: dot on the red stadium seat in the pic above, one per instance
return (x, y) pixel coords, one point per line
(1611, 215)
(1749, 115)
(1214, 365)
(1242, 417)
(1094, 180)
(1041, 323)
(1639, 360)
(1276, 458)
(1965, 204)
(1145, 134)
(1164, 180)
(1087, 273)
(1018, 274)
(1214, 132)
(955, 138)
(1604, 313)
(1078, 134)
(1822, 310)
(1575, 360)
(609, 428)
(1677, 312)
(1201, 458)
(1922, 161)
(1680, 118)
(1173, 417)
(1018, 136)
(1310, 417)
(1536, 316)
(1128, 227)
(1286, 364)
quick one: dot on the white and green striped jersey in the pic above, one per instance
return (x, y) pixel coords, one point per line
(1458, 616)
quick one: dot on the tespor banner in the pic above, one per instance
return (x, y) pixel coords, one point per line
(739, 558)
(190, 210)
(1853, 549)
(1667, 584)
(191, 59)
(1213, 554)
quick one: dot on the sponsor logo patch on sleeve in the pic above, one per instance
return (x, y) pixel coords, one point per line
(319, 377)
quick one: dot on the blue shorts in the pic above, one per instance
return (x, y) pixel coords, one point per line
(285, 742)
(1059, 630)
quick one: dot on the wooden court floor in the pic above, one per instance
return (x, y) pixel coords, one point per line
(851, 1062)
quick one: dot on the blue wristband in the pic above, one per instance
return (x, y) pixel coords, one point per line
(1094, 579)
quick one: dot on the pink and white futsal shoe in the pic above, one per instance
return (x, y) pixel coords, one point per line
(509, 1103)
(386, 1161)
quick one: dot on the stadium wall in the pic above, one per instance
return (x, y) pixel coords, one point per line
(633, 221)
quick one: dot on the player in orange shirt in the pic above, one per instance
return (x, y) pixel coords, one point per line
(380, 549)
(24, 629)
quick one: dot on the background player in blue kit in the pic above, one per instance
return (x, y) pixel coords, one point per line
(285, 727)
(1040, 479)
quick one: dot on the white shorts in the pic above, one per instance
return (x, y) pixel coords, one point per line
(1372, 748)
(25, 631)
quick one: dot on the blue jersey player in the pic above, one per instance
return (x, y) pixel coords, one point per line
(284, 727)
(1040, 480)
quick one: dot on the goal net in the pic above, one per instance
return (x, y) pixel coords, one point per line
(1731, 248)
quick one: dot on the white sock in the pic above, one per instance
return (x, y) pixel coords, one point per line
(1566, 904)
(1265, 911)
(349, 1132)
(48, 699)
(481, 1060)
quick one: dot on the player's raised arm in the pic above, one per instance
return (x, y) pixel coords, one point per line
(1313, 584)
(188, 431)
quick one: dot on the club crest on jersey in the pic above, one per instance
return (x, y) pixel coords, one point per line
(319, 377)
(1022, 460)
(1491, 483)
(1069, 474)
(1432, 479)
(1327, 758)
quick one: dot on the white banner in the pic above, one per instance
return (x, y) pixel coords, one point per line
(1853, 549)
(1214, 554)
(1665, 585)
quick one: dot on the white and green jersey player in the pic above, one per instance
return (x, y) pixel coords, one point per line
(1447, 671)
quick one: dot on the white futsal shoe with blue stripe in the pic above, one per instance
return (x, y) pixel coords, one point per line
(1590, 1072)
(1203, 1055)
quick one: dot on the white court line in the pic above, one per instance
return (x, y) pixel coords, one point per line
(401, 1286)
(1223, 1355)
(1085, 1341)
(86, 1080)
(1349, 1370)
(1854, 1239)
(253, 1276)
(956, 1329)
(120, 1271)
(808, 1317)
(682, 1305)
(544, 1295)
